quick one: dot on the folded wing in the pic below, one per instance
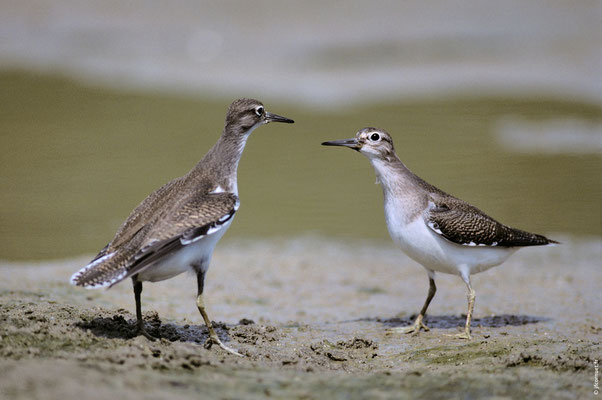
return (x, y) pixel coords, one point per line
(461, 223)
(188, 221)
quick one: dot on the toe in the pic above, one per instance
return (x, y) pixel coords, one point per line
(404, 329)
(226, 348)
(462, 335)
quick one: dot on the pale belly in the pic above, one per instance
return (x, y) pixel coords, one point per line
(436, 253)
(197, 253)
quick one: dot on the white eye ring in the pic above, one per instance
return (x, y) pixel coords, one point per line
(375, 137)
(259, 111)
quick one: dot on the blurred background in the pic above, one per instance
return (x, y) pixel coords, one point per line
(498, 103)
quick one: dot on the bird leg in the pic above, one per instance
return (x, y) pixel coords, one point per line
(139, 322)
(471, 299)
(418, 324)
(213, 338)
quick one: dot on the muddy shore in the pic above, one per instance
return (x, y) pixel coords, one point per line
(310, 317)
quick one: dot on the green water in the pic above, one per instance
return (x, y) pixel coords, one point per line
(76, 160)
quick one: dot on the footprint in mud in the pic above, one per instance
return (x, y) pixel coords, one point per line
(117, 327)
(343, 350)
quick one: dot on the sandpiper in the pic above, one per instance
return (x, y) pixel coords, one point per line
(437, 230)
(176, 228)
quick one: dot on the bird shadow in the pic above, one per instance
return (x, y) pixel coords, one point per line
(118, 327)
(453, 321)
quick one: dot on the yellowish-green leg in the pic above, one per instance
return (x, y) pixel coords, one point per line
(471, 299)
(213, 338)
(418, 324)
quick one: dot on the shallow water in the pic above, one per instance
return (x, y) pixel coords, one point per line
(496, 104)
(76, 160)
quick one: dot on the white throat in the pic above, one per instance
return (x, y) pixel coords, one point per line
(385, 173)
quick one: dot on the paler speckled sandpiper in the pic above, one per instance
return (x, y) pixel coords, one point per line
(437, 230)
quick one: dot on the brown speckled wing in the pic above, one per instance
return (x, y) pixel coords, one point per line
(461, 223)
(146, 211)
(189, 221)
(201, 210)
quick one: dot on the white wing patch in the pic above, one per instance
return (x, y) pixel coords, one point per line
(188, 241)
(435, 227)
(472, 244)
(218, 189)
(217, 226)
(210, 231)
(214, 229)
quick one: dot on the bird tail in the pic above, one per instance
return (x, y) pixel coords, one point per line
(103, 271)
(539, 240)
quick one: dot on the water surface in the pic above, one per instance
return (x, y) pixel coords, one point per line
(76, 160)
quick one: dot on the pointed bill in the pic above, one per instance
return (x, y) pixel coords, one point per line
(269, 117)
(351, 143)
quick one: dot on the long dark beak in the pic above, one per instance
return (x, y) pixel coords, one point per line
(351, 143)
(269, 117)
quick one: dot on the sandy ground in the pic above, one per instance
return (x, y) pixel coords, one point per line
(311, 318)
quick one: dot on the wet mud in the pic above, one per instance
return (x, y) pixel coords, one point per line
(57, 341)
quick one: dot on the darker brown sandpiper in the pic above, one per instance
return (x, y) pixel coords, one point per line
(176, 228)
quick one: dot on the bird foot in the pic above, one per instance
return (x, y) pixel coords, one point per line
(414, 329)
(464, 335)
(142, 331)
(215, 340)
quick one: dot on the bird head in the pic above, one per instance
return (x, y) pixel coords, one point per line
(244, 115)
(373, 143)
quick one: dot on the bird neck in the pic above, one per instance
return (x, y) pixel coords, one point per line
(221, 161)
(394, 177)
(405, 194)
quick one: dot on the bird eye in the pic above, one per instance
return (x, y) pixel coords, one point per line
(259, 111)
(375, 137)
